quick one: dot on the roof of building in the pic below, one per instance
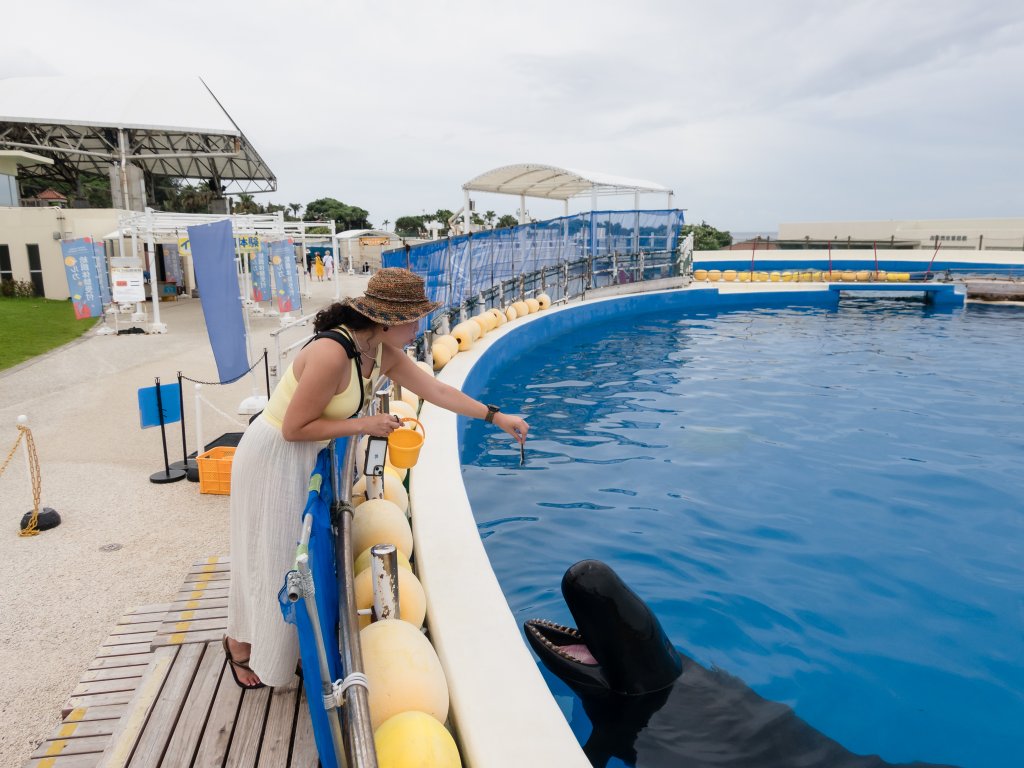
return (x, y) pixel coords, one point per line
(552, 182)
(172, 127)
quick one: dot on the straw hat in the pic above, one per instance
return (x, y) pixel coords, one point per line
(394, 296)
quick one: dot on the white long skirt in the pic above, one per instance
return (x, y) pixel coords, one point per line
(269, 486)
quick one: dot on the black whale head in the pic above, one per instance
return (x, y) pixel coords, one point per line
(618, 645)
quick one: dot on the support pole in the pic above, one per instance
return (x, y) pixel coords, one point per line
(168, 475)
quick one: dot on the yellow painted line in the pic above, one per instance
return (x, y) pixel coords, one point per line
(213, 559)
(68, 729)
(46, 762)
(182, 626)
(76, 714)
(187, 615)
(192, 604)
(56, 747)
(196, 595)
(118, 752)
(177, 638)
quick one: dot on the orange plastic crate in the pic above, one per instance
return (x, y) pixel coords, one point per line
(215, 470)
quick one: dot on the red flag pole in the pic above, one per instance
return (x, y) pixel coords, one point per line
(752, 251)
(829, 259)
(938, 244)
(876, 259)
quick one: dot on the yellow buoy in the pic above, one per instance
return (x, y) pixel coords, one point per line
(700, 274)
(442, 355)
(544, 300)
(510, 312)
(411, 399)
(362, 562)
(499, 317)
(863, 276)
(744, 277)
(403, 671)
(449, 341)
(402, 409)
(807, 277)
(379, 521)
(485, 320)
(522, 308)
(775, 277)
(761, 277)
(787, 276)
(464, 335)
(849, 276)
(533, 305)
(415, 740)
(881, 275)
(412, 601)
(729, 275)
(394, 491)
(714, 275)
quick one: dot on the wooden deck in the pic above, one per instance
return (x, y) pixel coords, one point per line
(159, 693)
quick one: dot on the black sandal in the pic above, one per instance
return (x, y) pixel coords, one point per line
(244, 664)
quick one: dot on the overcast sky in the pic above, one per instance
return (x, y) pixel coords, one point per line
(755, 113)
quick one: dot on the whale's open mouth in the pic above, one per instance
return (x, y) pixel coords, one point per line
(564, 641)
(617, 646)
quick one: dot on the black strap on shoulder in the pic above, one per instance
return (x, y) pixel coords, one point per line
(349, 345)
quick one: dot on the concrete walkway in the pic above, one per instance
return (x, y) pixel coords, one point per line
(65, 588)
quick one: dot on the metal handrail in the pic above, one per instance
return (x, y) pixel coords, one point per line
(355, 712)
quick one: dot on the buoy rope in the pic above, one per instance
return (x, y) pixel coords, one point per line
(336, 697)
(25, 433)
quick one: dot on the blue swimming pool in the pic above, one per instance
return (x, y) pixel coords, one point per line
(826, 503)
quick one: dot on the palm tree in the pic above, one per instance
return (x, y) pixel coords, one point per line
(489, 217)
(296, 207)
(384, 225)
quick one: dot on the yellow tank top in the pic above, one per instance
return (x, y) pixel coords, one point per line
(341, 406)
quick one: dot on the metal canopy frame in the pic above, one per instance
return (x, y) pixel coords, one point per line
(90, 145)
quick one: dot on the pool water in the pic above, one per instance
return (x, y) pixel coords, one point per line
(824, 503)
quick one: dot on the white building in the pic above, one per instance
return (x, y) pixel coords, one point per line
(951, 234)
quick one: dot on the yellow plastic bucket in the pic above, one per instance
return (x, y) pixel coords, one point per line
(404, 445)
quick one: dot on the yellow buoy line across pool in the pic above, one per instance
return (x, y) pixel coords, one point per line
(800, 276)
(463, 335)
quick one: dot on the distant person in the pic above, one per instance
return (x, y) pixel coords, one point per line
(318, 398)
(366, 267)
(318, 268)
(329, 265)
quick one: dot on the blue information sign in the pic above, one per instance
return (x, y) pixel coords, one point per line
(149, 414)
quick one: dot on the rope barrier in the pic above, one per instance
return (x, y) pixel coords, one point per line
(229, 381)
(24, 433)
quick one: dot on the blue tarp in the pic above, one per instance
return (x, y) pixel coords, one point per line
(322, 564)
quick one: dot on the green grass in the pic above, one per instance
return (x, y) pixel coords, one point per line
(30, 327)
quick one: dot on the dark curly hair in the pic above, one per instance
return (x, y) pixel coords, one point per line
(341, 314)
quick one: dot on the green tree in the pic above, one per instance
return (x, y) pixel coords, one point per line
(489, 217)
(409, 226)
(296, 207)
(706, 237)
(344, 216)
(508, 220)
(246, 204)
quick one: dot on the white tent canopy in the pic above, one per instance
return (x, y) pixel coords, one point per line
(554, 183)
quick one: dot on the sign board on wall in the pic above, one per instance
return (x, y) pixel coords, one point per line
(127, 285)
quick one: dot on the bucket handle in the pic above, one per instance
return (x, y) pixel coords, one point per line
(423, 430)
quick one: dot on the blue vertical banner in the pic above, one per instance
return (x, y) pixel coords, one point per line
(213, 258)
(79, 265)
(102, 273)
(259, 269)
(286, 277)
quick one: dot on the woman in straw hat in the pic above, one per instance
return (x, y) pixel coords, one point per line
(317, 399)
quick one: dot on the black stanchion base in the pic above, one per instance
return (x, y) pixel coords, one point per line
(186, 465)
(171, 476)
(48, 518)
